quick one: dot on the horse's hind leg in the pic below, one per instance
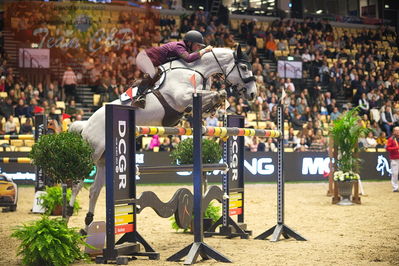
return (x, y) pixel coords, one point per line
(95, 190)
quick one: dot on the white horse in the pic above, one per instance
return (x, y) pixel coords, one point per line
(177, 90)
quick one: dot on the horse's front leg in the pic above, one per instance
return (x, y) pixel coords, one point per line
(212, 99)
(75, 191)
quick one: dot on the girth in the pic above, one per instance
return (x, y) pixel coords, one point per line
(171, 117)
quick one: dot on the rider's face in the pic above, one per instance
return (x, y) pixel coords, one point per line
(196, 46)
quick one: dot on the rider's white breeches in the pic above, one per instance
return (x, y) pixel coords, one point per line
(144, 64)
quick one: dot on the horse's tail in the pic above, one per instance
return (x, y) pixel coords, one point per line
(77, 126)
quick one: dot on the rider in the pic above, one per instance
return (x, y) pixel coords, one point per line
(148, 60)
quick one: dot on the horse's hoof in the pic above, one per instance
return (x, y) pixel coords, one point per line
(69, 211)
(89, 218)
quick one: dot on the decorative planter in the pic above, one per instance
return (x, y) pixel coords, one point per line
(345, 191)
(57, 211)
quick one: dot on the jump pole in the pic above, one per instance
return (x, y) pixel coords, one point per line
(280, 228)
(233, 186)
(198, 247)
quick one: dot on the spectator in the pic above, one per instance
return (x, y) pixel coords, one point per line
(370, 141)
(381, 140)
(364, 105)
(253, 146)
(21, 109)
(26, 127)
(387, 120)
(165, 145)
(289, 86)
(69, 82)
(271, 46)
(375, 127)
(297, 123)
(365, 122)
(301, 146)
(315, 90)
(154, 143)
(393, 150)
(270, 145)
(212, 120)
(6, 107)
(335, 114)
(10, 127)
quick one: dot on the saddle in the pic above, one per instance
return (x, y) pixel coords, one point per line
(148, 83)
(172, 117)
(145, 85)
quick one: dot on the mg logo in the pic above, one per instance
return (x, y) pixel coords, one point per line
(315, 166)
(261, 166)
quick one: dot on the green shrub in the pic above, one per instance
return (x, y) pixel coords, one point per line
(53, 198)
(49, 242)
(211, 152)
(64, 157)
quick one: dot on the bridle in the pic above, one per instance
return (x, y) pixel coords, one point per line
(237, 61)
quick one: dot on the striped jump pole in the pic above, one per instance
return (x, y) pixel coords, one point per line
(208, 131)
(22, 160)
(21, 137)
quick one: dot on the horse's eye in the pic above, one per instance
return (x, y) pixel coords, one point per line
(244, 67)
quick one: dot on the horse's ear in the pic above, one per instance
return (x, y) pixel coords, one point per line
(239, 52)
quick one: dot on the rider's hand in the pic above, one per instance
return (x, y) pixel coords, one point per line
(206, 50)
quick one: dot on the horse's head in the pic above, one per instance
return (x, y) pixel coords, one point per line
(240, 75)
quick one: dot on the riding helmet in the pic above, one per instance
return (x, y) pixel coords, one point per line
(194, 37)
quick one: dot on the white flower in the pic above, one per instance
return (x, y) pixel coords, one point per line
(343, 176)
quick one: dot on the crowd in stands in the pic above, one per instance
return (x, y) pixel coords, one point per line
(358, 65)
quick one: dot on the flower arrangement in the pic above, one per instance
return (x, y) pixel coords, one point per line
(345, 176)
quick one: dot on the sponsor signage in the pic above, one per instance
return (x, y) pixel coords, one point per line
(40, 124)
(120, 170)
(122, 147)
(258, 166)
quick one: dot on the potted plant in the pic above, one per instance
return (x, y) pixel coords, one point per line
(52, 200)
(211, 153)
(49, 242)
(66, 158)
(345, 133)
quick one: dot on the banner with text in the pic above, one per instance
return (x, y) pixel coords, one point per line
(258, 167)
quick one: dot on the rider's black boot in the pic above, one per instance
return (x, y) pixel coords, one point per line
(139, 99)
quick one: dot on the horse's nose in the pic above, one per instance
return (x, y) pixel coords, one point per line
(252, 96)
